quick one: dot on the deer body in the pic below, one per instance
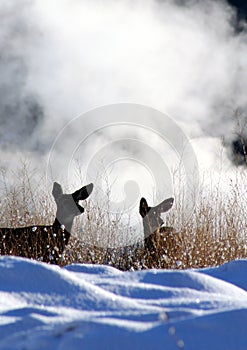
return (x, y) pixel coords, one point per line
(46, 243)
(43, 243)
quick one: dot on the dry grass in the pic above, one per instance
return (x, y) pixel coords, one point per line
(25, 200)
(214, 233)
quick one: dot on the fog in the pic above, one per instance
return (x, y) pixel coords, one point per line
(61, 59)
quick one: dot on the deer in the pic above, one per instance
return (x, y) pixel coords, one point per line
(46, 243)
(161, 243)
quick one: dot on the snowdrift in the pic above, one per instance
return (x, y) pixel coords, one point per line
(99, 307)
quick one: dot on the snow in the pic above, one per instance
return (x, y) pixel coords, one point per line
(99, 307)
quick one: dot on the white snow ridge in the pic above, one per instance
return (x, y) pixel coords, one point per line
(98, 307)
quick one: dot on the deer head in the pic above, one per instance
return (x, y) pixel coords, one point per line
(152, 215)
(68, 206)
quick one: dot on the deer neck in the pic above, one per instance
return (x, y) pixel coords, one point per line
(66, 226)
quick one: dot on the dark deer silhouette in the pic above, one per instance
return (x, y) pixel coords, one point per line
(46, 243)
(161, 243)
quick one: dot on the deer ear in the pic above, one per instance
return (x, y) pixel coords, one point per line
(57, 190)
(82, 193)
(144, 208)
(165, 205)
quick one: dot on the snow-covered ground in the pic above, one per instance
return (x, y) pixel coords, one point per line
(99, 307)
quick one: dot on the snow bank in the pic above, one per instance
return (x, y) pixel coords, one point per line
(99, 307)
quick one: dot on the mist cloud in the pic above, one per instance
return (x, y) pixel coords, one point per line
(61, 58)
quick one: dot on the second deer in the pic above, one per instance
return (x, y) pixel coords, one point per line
(161, 243)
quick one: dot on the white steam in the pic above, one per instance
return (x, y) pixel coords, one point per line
(61, 58)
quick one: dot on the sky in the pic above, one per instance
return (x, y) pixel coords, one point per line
(61, 60)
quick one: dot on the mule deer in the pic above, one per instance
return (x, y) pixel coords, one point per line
(161, 243)
(46, 243)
